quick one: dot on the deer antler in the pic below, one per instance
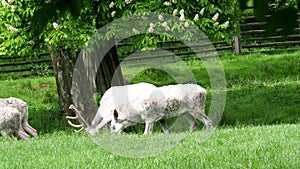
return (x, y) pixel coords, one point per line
(75, 125)
(78, 116)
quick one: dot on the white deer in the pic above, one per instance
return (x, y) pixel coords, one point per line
(14, 118)
(125, 106)
(166, 102)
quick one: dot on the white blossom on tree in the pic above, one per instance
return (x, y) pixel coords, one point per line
(166, 3)
(202, 11)
(11, 28)
(160, 17)
(113, 13)
(152, 25)
(181, 12)
(182, 18)
(4, 4)
(151, 29)
(13, 8)
(128, 1)
(55, 25)
(111, 5)
(186, 24)
(216, 23)
(215, 17)
(135, 31)
(196, 18)
(226, 24)
(166, 26)
(175, 12)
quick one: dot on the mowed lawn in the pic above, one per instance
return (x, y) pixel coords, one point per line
(259, 128)
(275, 146)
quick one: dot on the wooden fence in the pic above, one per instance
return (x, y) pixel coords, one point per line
(26, 65)
(253, 39)
(176, 48)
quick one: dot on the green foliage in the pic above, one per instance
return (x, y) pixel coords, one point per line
(97, 98)
(16, 36)
(29, 25)
(33, 24)
(48, 9)
(41, 70)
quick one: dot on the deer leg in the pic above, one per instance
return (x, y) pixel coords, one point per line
(193, 123)
(25, 124)
(29, 129)
(22, 135)
(164, 125)
(205, 120)
(148, 128)
(17, 126)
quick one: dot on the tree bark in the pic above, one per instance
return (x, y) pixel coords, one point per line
(108, 73)
(63, 62)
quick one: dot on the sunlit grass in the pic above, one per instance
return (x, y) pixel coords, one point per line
(261, 89)
(274, 146)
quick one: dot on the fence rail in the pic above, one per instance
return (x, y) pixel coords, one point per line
(26, 65)
(254, 38)
(206, 49)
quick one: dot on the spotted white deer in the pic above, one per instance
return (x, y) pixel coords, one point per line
(166, 102)
(125, 106)
(14, 118)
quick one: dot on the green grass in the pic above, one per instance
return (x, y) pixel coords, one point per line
(240, 71)
(43, 103)
(261, 89)
(275, 146)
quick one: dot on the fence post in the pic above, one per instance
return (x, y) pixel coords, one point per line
(236, 45)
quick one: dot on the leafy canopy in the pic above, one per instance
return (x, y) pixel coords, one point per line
(30, 25)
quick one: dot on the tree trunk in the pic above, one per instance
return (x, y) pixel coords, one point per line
(63, 62)
(108, 73)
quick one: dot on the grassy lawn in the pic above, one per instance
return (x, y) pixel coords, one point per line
(275, 146)
(259, 128)
(261, 88)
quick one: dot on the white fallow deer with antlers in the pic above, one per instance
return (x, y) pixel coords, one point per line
(125, 106)
(14, 118)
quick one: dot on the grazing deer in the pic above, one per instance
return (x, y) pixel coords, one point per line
(124, 106)
(166, 102)
(14, 118)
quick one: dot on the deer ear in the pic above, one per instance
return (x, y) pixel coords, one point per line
(116, 114)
